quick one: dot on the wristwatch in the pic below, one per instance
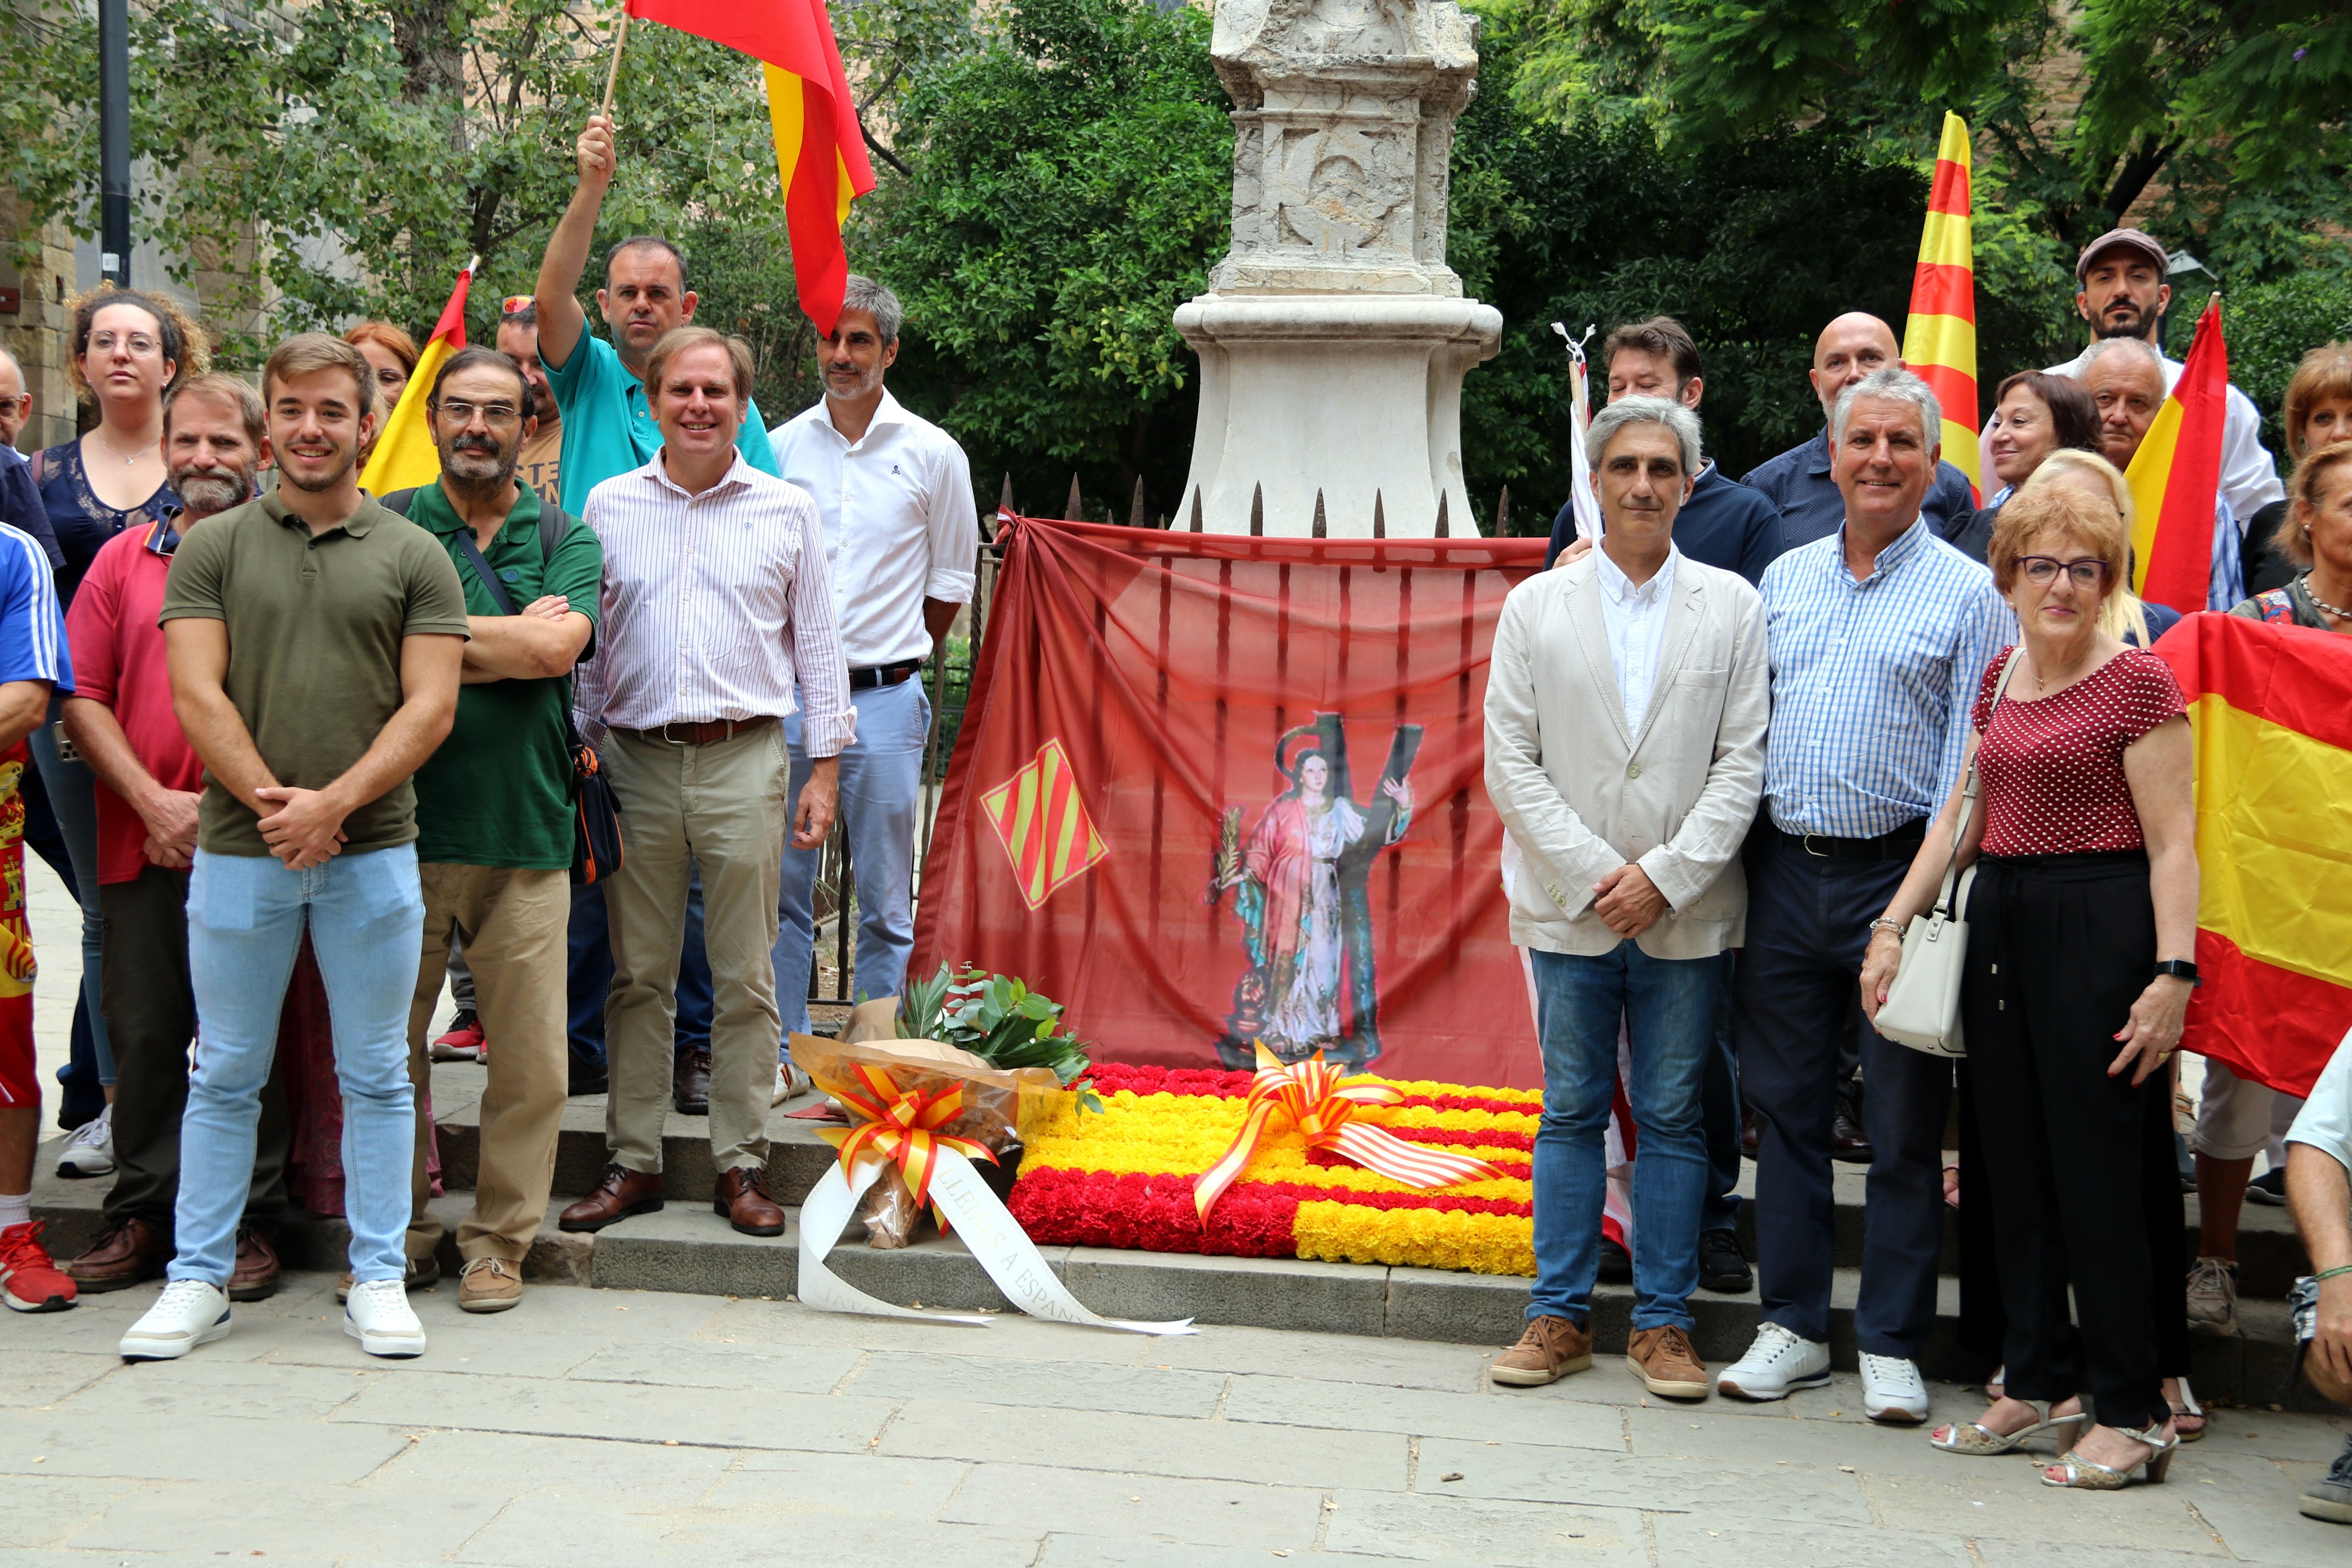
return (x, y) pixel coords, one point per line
(2179, 969)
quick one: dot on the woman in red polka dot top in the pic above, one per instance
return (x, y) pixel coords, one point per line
(2082, 925)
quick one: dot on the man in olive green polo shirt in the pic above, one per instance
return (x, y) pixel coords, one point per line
(494, 809)
(314, 641)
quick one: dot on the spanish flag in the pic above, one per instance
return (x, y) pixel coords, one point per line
(2177, 472)
(404, 456)
(820, 151)
(2272, 708)
(1939, 341)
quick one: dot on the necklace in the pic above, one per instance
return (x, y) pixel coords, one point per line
(2324, 604)
(135, 455)
(2041, 683)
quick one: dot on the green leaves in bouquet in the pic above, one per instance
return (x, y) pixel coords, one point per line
(998, 1018)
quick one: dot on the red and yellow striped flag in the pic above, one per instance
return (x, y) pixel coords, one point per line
(1940, 341)
(2177, 473)
(820, 151)
(2272, 705)
(1043, 825)
(404, 456)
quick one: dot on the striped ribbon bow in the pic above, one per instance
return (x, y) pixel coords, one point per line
(900, 1126)
(1324, 1113)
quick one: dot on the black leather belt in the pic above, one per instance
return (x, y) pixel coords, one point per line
(699, 732)
(1900, 845)
(883, 674)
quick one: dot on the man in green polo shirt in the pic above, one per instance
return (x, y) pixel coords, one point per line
(494, 812)
(608, 429)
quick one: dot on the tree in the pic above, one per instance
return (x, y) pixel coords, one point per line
(1068, 186)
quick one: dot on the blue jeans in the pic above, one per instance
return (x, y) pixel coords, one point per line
(245, 915)
(881, 801)
(590, 980)
(1669, 1007)
(72, 790)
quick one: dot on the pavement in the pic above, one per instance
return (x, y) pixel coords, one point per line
(589, 1426)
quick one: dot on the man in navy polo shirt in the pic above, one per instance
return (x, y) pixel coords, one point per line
(1723, 524)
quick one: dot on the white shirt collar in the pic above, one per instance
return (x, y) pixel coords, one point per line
(657, 468)
(889, 411)
(1621, 588)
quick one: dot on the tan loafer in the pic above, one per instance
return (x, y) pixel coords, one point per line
(488, 1284)
(1548, 1350)
(1666, 1364)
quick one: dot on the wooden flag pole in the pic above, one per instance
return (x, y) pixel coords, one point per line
(612, 72)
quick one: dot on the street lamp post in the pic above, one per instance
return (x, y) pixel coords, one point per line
(114, 141)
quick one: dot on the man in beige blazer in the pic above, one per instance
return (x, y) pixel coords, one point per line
(1626, 708)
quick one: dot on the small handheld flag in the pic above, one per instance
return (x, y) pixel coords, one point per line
(1939, 341)
(404, 456)
(820, 151)
(2177, 472)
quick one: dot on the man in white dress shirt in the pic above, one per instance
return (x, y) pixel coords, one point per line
(717, 624)
(902, 535)
(1626, 708)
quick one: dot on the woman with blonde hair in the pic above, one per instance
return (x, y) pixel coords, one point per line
(2083, 918)
(2122, 614)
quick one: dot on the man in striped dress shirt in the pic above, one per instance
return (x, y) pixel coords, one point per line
(1879, 634)
(718, 604)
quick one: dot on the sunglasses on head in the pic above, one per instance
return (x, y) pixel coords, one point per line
(516, 304)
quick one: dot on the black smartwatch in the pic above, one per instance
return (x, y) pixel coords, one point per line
(2179, 969)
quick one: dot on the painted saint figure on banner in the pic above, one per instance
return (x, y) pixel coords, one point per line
(1300, 881)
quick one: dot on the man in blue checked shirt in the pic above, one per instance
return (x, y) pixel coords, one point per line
(1879, 634)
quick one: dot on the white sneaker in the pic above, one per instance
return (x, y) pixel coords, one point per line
(788, 1084)
(1892, 1391)
(378, 1315)
(1776, 1365)
(189, 1313)
(90, 1151)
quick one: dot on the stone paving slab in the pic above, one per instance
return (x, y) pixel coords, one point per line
(593, 1427)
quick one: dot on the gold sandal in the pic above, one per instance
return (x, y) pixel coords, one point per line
(1974, 1438)
(2089, 1475)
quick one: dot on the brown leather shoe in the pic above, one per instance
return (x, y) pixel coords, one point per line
(1665, 1362)
(689, 1084)
(255, 1276)
(125, 1254)
(1547, 1351)
(1848, 1143)
(621, 1193)
(742, 1196)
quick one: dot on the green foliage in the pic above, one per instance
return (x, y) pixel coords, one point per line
(2270, 326)
(1000, 1020)
(1069, 187)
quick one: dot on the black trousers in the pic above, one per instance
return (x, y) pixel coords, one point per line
(2060, 947)
(151, 1016)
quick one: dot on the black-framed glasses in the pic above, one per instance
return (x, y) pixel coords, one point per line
(2086, 570)
(458, 411)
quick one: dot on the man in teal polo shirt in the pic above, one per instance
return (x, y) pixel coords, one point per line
(494, 812)
(607, 428)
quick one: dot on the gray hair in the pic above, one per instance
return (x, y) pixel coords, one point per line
(863, 293)
(2138, 348)
(1627, 411)
(1896, 385)
(16, 364)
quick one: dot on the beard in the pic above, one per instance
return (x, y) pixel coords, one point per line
(480, 468)
(2134, 325)
(207, 491)
(321, 483)
(865, 385)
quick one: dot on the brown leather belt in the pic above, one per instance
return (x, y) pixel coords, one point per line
(691, 732)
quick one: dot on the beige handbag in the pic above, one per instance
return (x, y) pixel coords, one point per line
(1923, 1007)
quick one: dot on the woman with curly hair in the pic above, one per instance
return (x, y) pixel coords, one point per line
(130, 350)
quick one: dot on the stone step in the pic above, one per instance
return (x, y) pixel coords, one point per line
(2270, 1253)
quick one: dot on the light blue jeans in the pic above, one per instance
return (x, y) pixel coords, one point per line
(881, 797)
(245, 915)
(1669, 1007)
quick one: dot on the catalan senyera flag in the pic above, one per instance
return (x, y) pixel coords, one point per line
(2272, 708)
(820, 151)
(404, 456)
(1940, 341)
(1042, 822)
(2177, 472)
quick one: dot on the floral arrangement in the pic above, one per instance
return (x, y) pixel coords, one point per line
(1125, 1177)
(998, 1020)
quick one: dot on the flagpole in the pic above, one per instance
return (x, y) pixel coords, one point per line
(612, 72)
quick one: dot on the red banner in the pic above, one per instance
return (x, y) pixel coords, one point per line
(1214, 790)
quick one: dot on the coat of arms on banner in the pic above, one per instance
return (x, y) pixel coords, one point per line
(1299, 879)
(1043, 825)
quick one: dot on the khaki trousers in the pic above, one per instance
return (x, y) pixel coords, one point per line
(513, 926)
(725, 807)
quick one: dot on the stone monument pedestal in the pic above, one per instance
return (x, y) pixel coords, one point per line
(1334, 338)
(1358, 396)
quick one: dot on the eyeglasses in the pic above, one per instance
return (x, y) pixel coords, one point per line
(2044, 569)
(458, 410)
(139, 344)
(10, 404)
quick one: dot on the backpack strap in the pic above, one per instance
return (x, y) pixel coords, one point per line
(398, 501)
(554, 522)
(2276, 605)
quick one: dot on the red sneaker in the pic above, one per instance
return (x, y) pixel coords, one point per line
(29, 1280)
(464, 1042)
